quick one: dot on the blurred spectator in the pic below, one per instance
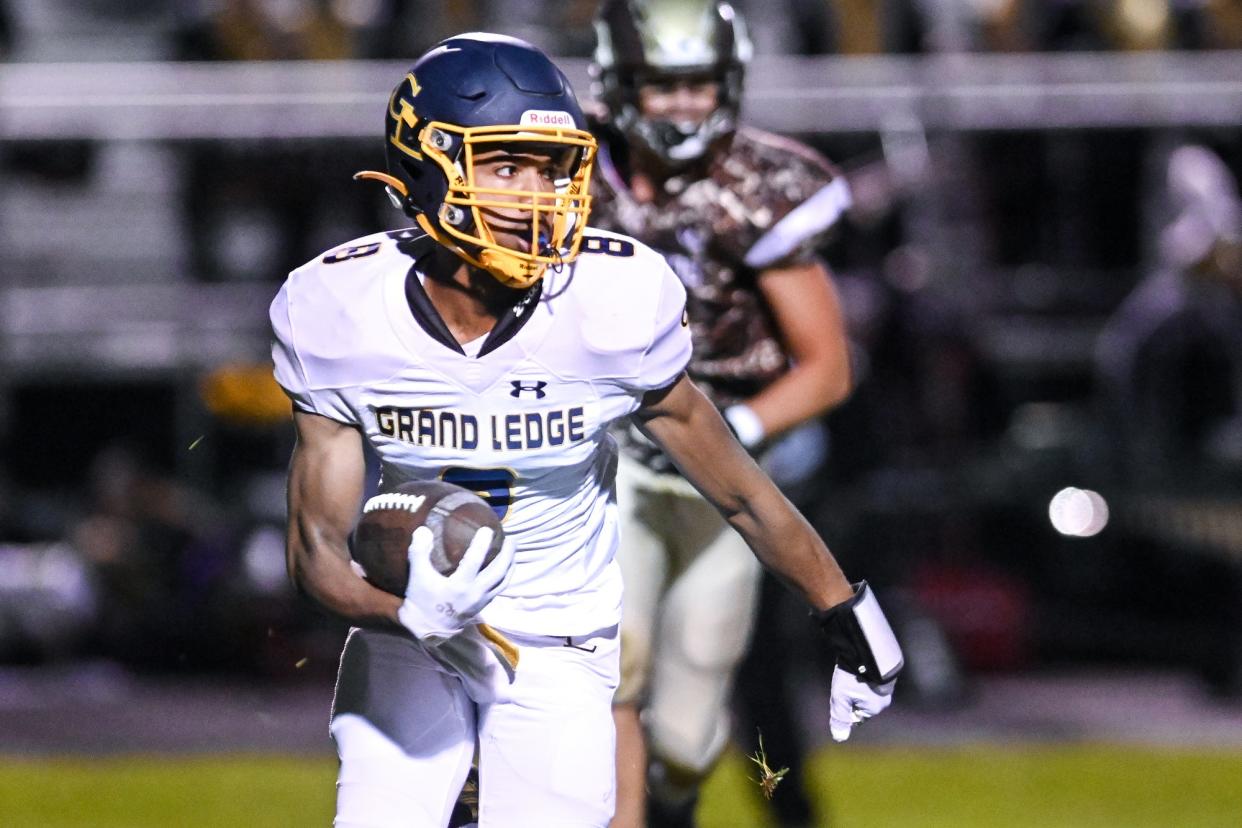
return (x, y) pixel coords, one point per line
(256, 210)
(53, 161)
(560, 27)
(115, 585)
(1170, 358)
(282, 29)
(1222, 24)
(47, 601)
(1102, 25)
(836, 27)
(158, 556)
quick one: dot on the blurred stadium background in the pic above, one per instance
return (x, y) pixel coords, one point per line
(1042, 464)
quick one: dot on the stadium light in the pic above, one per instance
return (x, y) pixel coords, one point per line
(1078, 513)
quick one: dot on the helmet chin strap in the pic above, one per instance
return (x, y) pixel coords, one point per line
(510, 270)
(680, 144)
(692, 146)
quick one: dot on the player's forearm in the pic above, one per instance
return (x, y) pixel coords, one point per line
(690, 430)
(789, 547)
(323, 575)
(807, 391)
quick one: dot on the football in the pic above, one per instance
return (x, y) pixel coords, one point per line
(382, 537)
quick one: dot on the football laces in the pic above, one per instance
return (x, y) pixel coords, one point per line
(394, 500)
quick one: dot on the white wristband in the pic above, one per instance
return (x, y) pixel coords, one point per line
(745, 424)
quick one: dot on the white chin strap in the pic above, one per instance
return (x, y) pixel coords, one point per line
(689, 149)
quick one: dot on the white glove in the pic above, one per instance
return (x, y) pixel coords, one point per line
(438, 606)
(854, 700)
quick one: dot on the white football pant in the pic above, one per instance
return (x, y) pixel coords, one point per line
(691, 590)
(406, 723)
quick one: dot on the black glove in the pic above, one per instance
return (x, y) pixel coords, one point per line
(868, 659)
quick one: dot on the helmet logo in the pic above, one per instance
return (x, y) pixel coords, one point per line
(547, 118)
(408, 116)
(405, 121)
(414, 87)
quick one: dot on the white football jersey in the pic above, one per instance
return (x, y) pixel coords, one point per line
(524, 423)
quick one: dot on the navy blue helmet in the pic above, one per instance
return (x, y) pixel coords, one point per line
(470, 94)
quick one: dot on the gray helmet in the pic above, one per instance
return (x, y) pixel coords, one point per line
(640, 41)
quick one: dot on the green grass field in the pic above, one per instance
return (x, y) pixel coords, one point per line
(861, 786)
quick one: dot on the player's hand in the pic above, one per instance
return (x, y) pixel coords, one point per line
(865, 648)
(854, 700)
(438, 606)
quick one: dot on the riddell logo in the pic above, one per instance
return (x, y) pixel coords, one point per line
(547, 117)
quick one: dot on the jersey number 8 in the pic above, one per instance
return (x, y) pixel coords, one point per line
(495, 486)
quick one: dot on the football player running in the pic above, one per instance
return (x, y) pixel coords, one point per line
(493, 345)
(739, 214)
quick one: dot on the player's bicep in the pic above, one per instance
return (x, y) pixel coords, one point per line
(690, 430)
(677, 412)
(808, 313)
(326, 477)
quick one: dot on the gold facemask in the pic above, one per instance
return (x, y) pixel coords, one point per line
(461, 225)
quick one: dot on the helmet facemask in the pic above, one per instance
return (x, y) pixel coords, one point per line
(679, 142)
(556, 219)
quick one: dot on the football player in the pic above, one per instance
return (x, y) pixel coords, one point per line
(739, 213)
(493, 345)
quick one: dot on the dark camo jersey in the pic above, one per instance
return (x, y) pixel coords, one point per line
(706, 228)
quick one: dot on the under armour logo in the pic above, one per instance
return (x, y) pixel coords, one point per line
(536, 388)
